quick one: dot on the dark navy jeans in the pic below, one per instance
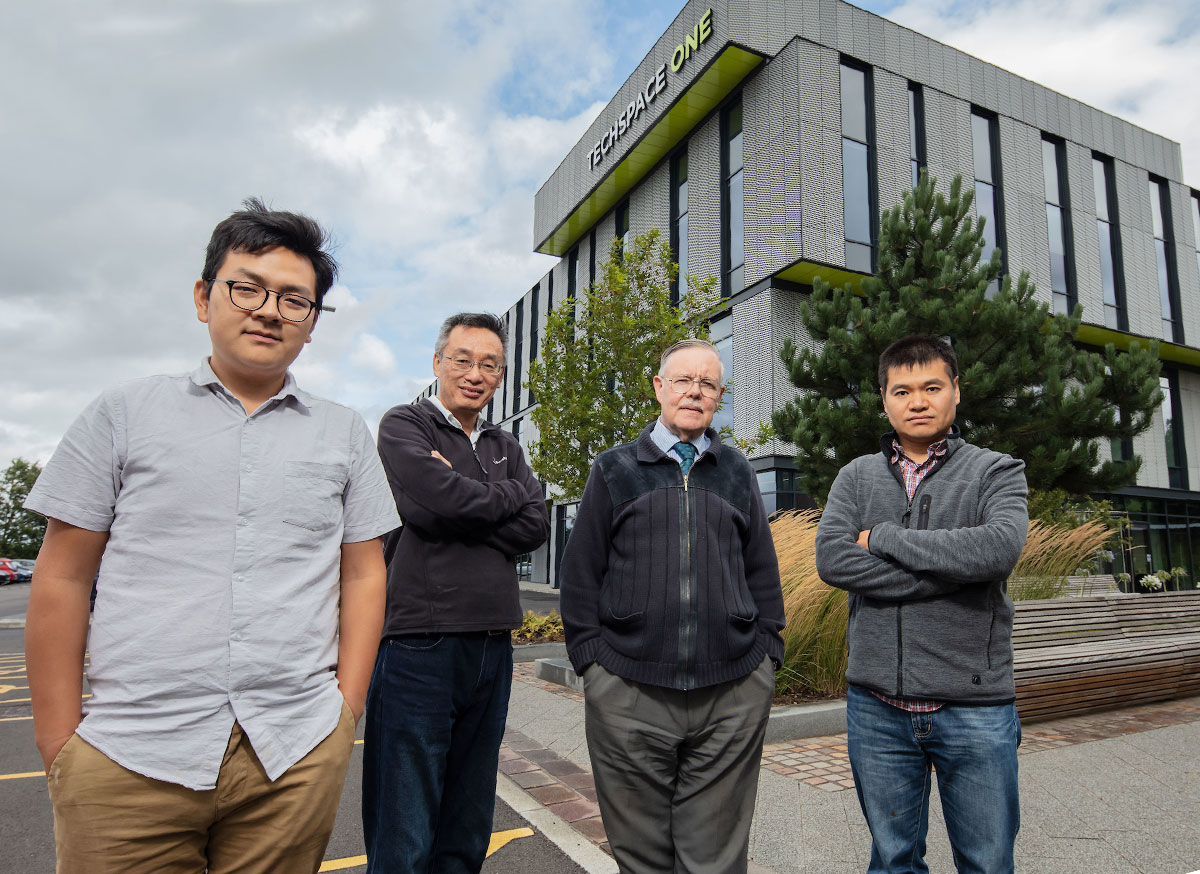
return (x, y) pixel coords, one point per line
(435, 718)
(974, 753)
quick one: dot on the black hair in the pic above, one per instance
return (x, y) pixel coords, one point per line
(913, 350)
(487, 321)
(256, 228)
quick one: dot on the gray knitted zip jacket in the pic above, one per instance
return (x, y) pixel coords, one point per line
(929, 616)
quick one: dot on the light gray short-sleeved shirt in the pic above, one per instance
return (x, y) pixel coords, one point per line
(219, 587)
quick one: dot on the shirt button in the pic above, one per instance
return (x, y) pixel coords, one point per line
(239, 579)
(243, 522)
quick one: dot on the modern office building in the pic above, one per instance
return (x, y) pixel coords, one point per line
(764, 138)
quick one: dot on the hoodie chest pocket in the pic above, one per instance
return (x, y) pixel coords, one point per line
(312, 494)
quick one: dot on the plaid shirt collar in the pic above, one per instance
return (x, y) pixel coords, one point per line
(914, 472)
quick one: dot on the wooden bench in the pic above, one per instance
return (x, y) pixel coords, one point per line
(1082, 653)
(1096, 584)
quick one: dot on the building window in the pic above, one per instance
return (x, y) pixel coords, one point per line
(1112, 277)
(533, 329)
(858, 163)
(733, 227)
(989, 201)
(623, 227)
(1173, 437)
(1195, 199)
(507, 372)
(516, 428)
(916, 131)
(1164, 251)
(518, 351)
(1058, 224)
(679, 222)
(724, 416)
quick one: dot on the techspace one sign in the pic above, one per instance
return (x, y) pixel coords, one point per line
(652, 90)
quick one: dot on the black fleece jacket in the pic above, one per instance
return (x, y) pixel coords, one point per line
(671, 580)
(450, 566)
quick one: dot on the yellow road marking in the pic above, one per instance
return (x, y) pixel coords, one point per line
(357, 742)
(4, 689)
(343, 864)
(24, 776)
(499, 839)
(28, 700)
(15, 718)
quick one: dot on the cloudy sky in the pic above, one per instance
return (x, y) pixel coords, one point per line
(418, 132)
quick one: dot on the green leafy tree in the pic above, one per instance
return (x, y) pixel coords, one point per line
(21, 532)
(593, 376)
(1027, 388)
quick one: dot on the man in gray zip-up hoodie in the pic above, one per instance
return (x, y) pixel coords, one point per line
(923, 535)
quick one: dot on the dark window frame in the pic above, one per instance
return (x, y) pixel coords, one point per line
(1113, 224)
(917, 133)
(1068, 228)
(1177, 471)
(997, 183)
(872, 160)
(678, 236)
(1169, 255)
(727, 266)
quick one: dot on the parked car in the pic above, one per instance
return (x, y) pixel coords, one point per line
(24, 568)
(8, 573)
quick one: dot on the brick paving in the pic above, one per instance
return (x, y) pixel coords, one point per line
(822, 762)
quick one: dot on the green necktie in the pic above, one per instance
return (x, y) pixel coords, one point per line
(687, 454)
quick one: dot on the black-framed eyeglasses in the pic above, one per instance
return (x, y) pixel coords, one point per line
(681, 385)
(251, 296)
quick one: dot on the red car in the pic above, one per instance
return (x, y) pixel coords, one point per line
(8, 573)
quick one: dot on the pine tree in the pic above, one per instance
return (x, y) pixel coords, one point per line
(592, 376)
(1027, 388)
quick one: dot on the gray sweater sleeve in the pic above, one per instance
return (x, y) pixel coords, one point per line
(980, 553)
(842, 563)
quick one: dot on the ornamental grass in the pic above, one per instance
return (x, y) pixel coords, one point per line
(814, 661)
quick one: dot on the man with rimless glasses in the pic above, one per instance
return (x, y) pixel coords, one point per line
(439, 693)
(673, 611)
(236, 522)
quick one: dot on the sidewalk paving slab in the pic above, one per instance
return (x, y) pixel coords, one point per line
(1111, 792)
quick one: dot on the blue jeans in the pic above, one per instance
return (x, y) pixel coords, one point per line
(974, 751)
(435, 718)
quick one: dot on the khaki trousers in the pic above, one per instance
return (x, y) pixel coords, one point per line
(110, 820)
(677, 772)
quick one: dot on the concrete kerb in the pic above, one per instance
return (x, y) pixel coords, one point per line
(790, 722)
(581, 851)
(16, 621)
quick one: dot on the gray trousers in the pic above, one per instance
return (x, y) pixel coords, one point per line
(677, 772)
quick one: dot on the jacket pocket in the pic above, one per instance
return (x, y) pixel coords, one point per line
(312, 494)
(625, 634)
(743, 632)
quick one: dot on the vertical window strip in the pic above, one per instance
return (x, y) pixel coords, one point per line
(518, 348)
(1164, 251)
(857, 168)
(1058, 225)
(1173, 437)
(1195, 199)
(989, 203)
(723, 418)
(623, 227)
(1112, 280)
(679, 223)
(733, 212)
(533, 329)
(916, 131)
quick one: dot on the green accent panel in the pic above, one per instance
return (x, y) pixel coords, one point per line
(804, 272)
(711, 87)
(1097, 336)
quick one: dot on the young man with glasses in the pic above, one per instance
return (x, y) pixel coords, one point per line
(439, 693)
(235, 521)
(673, 611)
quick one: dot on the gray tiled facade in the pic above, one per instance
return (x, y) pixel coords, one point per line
(793, 209)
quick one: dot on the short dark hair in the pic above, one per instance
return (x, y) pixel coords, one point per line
(913, 350)
(256, 228)
(487, 321)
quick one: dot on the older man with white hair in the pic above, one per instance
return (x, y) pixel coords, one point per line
(672, 607)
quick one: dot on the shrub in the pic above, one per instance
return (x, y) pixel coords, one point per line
(539, 629)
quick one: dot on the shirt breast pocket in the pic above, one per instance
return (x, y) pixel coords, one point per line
(312, 494)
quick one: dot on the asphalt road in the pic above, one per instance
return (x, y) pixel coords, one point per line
(26, 830)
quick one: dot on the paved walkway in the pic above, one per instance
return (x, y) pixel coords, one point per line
(1113, 792)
